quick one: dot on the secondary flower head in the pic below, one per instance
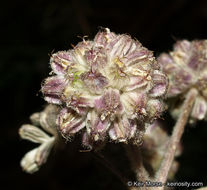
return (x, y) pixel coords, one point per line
(111, 86)
(186, 67)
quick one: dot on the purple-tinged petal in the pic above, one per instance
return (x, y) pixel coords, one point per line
(96, 127)
(199, 109)
(102, 38)
(122, 130)
(134, 104)
(78, 53)
(167, 64)
(160, 84)
(90, 144)
(53, 88)
(95, 82)
(60, 61)
(183, 46)
(154, 108)
(179, 82)
(96, 58)
(86, 141)
(137, 57)
(132, 128)
(70, 122)
(182, 52)
(137, 82)
(194, 62)
(78, 101)
(84, 46)
(117, 45)
(109, 104)
(198, 59)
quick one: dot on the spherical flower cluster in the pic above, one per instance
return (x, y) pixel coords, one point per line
(186, 68)
(111, 87)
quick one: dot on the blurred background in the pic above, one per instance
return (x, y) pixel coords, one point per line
(32, 30)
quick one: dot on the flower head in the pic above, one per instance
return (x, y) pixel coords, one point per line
(186, 67)
(111, 86)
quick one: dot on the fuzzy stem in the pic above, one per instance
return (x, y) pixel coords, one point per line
(135, 157)
(178, 130)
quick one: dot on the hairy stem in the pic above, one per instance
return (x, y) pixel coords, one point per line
(135, 157)
(178, 130)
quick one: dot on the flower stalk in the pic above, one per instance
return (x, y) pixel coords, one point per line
(162, 173)
(135, 157)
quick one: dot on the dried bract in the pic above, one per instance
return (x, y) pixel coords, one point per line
(33, 160)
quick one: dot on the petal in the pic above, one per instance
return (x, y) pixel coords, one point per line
(96, 58)
(33, 134)
(166, 62)
(117, 45)
(95, 82)
(122, 130)
(80, 103)
(179, 82)
(86, 141)
(78, 53)
(179, 77)
(182, 52)
(103, 37)
(35, 119)
(154, 108)
(137, 82)
(78, 99)
(70, 122)
(60, 62)
(43, 151)
(109, 104)
(134, 104)
(48, 117)
(28, 163)
(53, 88)
(33, 160)
(96, 127)
(160, 84)
(138, 56)
(183, 46)
(199, 108)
